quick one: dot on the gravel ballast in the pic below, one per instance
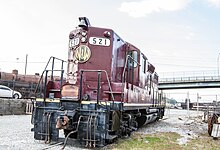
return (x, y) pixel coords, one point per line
(16, 129)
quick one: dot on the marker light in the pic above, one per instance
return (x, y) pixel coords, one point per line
(107, 34)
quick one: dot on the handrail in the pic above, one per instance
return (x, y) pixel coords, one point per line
(42, 75)
(126, 61)
(45, 70)
(123, 73)
(113, 99)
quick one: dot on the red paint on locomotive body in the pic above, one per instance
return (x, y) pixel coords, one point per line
(131, 77)
(101, 67)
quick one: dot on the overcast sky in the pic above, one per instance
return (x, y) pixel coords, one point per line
(175, 35)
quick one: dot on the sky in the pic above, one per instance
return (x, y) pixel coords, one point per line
(175, 35)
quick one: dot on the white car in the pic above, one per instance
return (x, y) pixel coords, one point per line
(9, 93)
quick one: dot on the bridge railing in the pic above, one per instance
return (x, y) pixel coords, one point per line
(189, 73)
(190, 76)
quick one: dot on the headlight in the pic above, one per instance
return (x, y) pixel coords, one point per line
(83, 39)
(84, 33)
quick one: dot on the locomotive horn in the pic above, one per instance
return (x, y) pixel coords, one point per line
(84, 22)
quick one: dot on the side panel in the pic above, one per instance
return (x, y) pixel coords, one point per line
(118, 58)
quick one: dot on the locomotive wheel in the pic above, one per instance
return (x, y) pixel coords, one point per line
(212, 120)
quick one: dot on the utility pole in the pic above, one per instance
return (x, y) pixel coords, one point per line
(25, 71)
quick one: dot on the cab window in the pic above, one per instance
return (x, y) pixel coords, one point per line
(143, 64)
(134, 55)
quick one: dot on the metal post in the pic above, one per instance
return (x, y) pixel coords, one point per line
(61, 79)
(80, 87)
(45, 86)
(52, 68)
(61, 82)
(98, 88)
(188, 104)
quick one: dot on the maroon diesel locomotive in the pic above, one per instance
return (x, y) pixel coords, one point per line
(111, 90)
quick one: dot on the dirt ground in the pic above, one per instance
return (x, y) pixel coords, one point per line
(188, 124)
(15, 130)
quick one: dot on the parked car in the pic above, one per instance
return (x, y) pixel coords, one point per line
(9, 93)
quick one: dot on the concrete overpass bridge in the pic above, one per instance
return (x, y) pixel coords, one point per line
(189, 80)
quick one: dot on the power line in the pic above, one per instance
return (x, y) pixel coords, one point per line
(25, 62)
